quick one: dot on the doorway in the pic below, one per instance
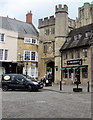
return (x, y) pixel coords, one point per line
(51, 65)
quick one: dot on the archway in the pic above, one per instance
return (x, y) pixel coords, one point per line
(51, 65)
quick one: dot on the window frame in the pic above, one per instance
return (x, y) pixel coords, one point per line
(2, 38)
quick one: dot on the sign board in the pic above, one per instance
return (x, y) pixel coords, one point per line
(72, 62)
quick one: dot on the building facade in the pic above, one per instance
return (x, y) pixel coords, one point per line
(85, 15)
(51, 37)
(53, 33)
(77, 55)
(18, 46)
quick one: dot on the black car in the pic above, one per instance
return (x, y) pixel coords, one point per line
(18, 81)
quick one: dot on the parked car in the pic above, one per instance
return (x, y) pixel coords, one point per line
(18, 81)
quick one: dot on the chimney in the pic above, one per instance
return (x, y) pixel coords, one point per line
(29, 17)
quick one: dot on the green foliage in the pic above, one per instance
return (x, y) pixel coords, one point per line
(48, 68)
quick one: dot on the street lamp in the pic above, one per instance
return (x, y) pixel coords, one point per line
(26, 66)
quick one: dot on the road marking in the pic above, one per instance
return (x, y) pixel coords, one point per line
(41, 101)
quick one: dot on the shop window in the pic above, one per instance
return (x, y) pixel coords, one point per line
(70, 72)
(84, 52)
(65, 74)
(85, 72)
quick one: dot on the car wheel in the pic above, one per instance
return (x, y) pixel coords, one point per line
(5, 88)
(29, 88)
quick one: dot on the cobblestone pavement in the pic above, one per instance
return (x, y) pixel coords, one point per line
(49, 102)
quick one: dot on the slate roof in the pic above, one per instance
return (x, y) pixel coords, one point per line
(83, 41)
(17, 26)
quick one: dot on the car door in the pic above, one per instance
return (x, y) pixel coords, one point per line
(18, 82)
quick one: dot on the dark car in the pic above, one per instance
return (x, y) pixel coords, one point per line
(18, 81)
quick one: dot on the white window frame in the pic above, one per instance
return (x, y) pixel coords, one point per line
(30, 41)
(30, 55)
(4, 55)
(1, 37)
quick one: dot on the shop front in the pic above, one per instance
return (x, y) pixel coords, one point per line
(72, 68)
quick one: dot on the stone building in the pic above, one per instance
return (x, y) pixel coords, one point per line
(18, 46)
(52, 34)
(77, 54)
(85, 15)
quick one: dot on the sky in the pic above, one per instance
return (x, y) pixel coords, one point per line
(40, 8)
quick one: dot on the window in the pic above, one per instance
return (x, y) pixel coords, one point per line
(1, 37)
(27, 55)
(6, 54)
(77, 53)
(71, 54)
(84, 52)
(52, 30)
(70, 72)
(47, 31)
(30, 40)
(85, 72)
(65, 73)
(27, 40)
(33, 41)
(45, 48)
(30, 55)
(65, 56)
(87, 34)
(1, 54)
(68, 39)
(33, 55)
(78, 36)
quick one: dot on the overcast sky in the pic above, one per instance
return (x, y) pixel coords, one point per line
(40, 8)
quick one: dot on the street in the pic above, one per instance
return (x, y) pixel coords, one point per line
(46, 103)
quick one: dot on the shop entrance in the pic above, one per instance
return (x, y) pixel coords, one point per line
(51, 66)
(77, 72)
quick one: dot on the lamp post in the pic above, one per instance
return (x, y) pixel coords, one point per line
(26, 66)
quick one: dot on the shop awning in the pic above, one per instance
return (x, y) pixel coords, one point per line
(73, 67)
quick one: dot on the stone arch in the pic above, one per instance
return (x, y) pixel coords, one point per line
(51, 65)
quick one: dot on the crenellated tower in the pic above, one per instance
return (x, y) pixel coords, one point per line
(61, 29)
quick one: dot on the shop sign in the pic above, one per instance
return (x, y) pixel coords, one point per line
(72, 62)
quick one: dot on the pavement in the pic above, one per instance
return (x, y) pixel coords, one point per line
(68, 88)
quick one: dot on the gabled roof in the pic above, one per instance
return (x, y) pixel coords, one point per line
(82, 41)
(17, 26)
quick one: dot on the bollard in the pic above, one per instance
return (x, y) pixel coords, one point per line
(60, 85)
(88, 87)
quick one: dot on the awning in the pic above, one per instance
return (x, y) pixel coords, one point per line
(74, 67)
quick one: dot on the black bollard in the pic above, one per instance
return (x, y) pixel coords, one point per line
(88, 87)
(60, 85)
